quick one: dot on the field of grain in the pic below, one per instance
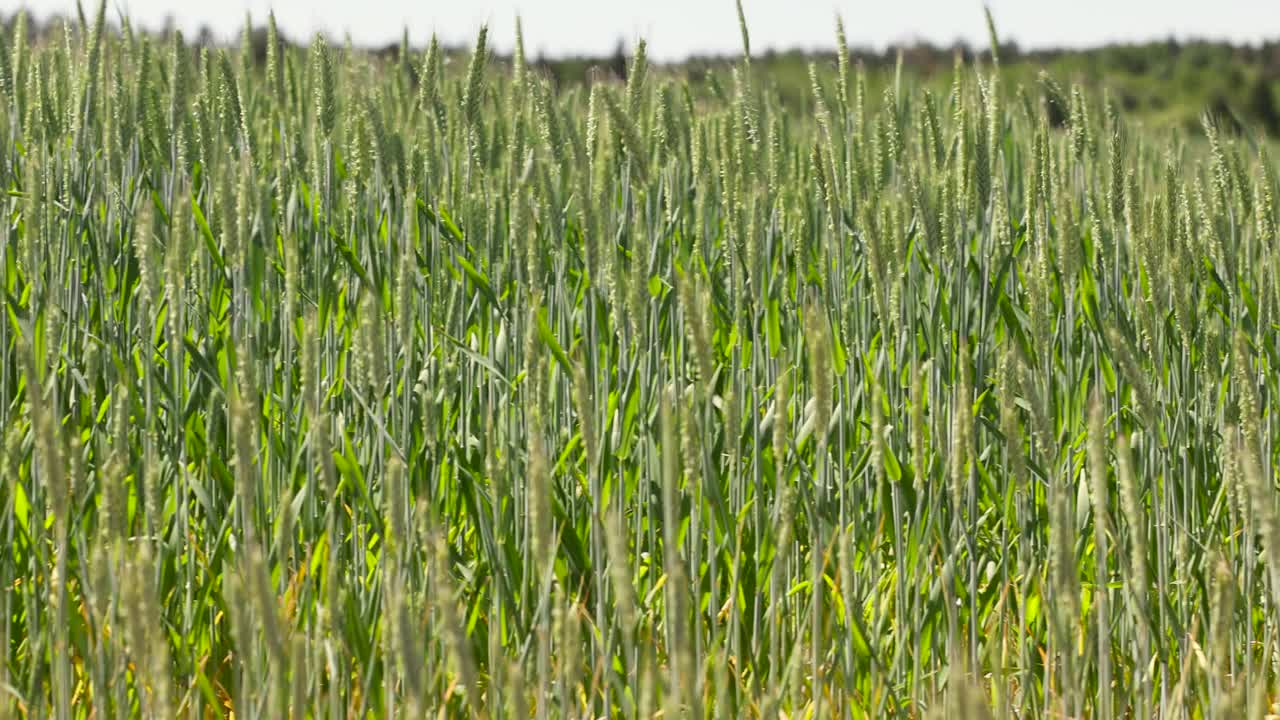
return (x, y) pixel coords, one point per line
(338, 386)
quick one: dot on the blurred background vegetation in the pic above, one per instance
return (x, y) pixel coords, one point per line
(1166, 85)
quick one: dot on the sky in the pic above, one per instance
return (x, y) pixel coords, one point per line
(674, 29)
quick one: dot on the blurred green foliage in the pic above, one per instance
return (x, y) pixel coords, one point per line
(1166, 85)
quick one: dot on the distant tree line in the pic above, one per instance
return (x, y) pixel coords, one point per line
(1172, 82)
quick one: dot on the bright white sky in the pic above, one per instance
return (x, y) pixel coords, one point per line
(676, 28)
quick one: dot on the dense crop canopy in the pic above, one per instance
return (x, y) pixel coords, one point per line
(342, 386)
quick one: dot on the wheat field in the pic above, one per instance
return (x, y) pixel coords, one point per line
(339, 385)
